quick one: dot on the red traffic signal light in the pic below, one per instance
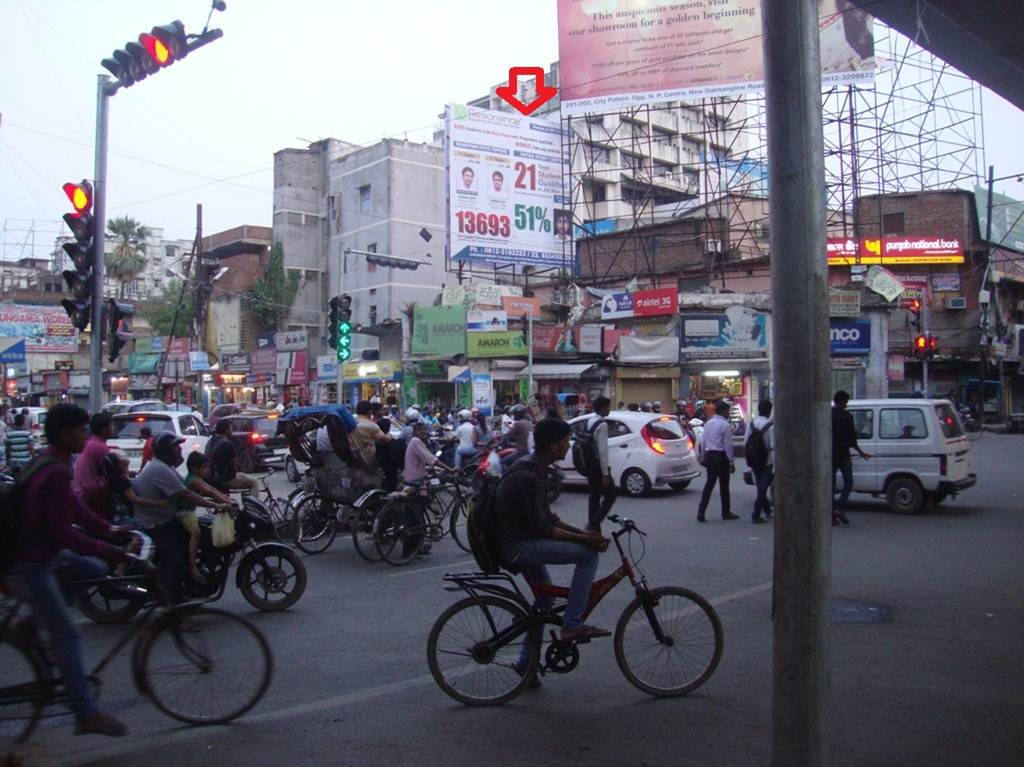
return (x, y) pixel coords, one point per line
(80, 196)
(156, 49)
(933, 344)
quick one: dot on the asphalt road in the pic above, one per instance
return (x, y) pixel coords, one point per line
(939, 681)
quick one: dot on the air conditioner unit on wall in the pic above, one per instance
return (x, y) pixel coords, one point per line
(957, 302)
(713, 246)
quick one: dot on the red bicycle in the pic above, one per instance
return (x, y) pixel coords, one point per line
(668, 640)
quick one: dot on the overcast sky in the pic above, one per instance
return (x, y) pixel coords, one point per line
(285, 73)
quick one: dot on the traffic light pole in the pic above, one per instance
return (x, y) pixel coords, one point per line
(924, 332)
(99, 212)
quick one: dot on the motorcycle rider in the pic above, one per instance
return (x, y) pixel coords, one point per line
(468, 435)
(161, 481)
(518, 436)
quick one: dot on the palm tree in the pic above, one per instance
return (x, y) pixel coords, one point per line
(128, 258)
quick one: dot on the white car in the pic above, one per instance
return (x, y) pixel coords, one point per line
(645, 450)
(128, 442)
(133, 406)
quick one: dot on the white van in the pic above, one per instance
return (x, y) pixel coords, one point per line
(920, 454)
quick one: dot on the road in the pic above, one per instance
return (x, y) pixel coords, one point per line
(938, 681)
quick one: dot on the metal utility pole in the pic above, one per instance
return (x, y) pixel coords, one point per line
(99, 213)
(529, 351)
(924, 332)
(800, 662)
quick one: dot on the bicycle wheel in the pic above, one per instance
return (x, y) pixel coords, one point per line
(363, 537)
(314, 524)
(399, 532)
(23, 690)
(462, 660)
(459, 521)
(201, 665)
(687, 655)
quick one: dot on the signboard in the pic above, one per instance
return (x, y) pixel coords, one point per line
(453, 295)
(482, 392)
(589, 338)
(487, 295)
(507, 199)
(56, 381)
(619, 53)
(652, 303)
(178, 348)
(481, 321)
(237, 362)
(264, 362)
(12, 350)
(850, 337)
(43, 328)
(291, 368)
(459, 374)
(439, 330)
(143, 363)
(895, 251)
(266, 340)
(501, 343)
(375, 370)
(915, 288)
(945, 282)
(142, 383)
(199, 361)
(895, 368)
(844, 303)
(291, 341)
(519, 307)
(327, 367)
(611, 336)
(1007, 218)
(883, 282)
(736, 334)
(615, 305)
(553, 339)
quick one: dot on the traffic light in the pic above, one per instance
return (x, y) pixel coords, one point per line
(81, 251)
(332, 323)
(344, 327)
(118, 315)
(920, 346)
(160, 48)
(933, 345)
(915, 313)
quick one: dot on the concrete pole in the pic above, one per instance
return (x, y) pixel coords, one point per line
(99, 212)
(529, 352)
(800, 340)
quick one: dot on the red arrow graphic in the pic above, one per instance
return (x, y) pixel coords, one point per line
(510, 93)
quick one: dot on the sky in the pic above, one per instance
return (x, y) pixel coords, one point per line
(284, 74)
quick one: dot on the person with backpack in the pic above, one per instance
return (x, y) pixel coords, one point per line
(590, 458)
(44, 526)
(760, 453)
(530, 536)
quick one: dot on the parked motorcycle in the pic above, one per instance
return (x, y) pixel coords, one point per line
(270, 575)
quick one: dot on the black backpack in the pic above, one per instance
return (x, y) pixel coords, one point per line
(482, 526)
(757, 448)
(12, 509)
(584, 453)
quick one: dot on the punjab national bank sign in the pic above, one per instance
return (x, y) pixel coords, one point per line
(895, 251)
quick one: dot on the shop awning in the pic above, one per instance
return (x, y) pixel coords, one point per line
(556, 371)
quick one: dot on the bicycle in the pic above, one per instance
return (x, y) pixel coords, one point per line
(180, 654)
(668, 641)
(321, 509)
(410, 517)
(278, 511)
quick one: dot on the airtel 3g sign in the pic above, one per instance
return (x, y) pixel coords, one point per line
(850, 337)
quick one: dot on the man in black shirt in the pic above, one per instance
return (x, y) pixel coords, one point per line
(223, 455)
(531, 536)
(844, 437)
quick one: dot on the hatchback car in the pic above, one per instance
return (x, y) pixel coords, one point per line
(231, 408)
(127, 438)
(645, 450)
(255, 436)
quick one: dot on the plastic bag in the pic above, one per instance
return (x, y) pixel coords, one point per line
(494, 464)
(223, 530)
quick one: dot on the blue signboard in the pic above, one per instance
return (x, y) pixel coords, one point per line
(615, 305)
(850, 337)
(12, 350)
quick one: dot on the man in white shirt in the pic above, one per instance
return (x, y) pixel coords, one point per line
(717, 450)
(601, 484)
(468, 437)
(764, 472)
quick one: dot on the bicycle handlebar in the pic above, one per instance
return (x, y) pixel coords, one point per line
(625, 523)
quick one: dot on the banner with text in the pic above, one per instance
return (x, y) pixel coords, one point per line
(44, 328)
(439, 330)
(737, 334)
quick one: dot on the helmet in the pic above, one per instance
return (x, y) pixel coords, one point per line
(163, 448)
(412, 415)
(520, 411)
(646, 407)
(465, 415)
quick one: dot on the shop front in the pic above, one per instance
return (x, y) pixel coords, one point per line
(566, 387)
(647, 370)
(366, 380)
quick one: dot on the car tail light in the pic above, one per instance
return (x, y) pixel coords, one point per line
(256, 438)
(943, 465)
(690, 443)
(652, 442)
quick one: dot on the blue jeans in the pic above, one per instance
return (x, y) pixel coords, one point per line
(763, 480)
(463, 452)
(36, 582)
(845, 467)
(530, 557)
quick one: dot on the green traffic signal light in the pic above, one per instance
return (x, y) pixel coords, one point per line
(344, 328)
(344, 354)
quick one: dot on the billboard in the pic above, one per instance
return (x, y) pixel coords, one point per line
(1007, 218)
(850, 337)
(553, 339)
(619, 53)
(507, 200)
(483, 320)
(439, 330)
(895, 251)
(738, 333)
(44, 328)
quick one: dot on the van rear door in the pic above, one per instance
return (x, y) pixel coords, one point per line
(957, 445)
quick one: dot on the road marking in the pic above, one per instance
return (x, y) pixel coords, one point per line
(453, 566)
(301, 709)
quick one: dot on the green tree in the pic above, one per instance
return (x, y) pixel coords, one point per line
(159, 311)
(128, 258)
(272, 295)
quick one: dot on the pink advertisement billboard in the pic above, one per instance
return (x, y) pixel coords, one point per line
(620, 53)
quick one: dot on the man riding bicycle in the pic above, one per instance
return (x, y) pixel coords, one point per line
(52, 542)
